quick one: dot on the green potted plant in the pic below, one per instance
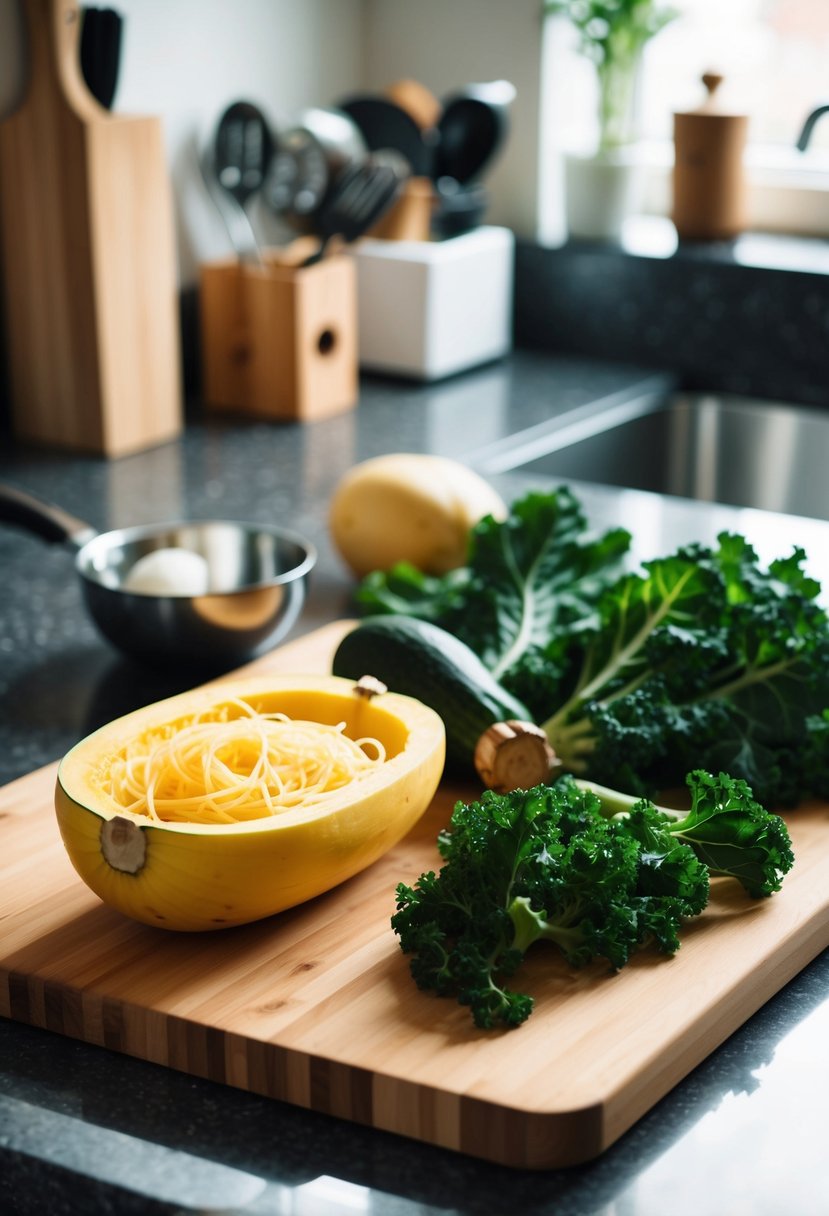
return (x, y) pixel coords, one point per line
(612, 34)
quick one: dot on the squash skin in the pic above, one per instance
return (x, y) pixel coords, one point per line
(202, 877)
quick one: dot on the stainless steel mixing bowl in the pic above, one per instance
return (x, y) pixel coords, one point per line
(257, 579)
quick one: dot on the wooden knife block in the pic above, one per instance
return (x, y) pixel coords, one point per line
(88, 258)
(279, 340)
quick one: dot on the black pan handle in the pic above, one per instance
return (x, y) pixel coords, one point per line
(43, 519)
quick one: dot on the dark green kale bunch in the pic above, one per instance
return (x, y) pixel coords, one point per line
(701, 659)
(564, 864)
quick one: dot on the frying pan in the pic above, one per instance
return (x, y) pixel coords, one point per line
(471, 130)
(459, 208)
(257, 578)
(385, 125)
(473, 126)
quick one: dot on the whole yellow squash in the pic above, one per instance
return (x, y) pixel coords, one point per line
(412, 507)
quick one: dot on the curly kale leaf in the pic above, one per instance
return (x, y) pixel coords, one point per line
(775, 683)
(406, 591)
(526, 577)
(728, 830)
(535, 572)
(542, 864)
(615, 713)
(733, 835)
(705, 659)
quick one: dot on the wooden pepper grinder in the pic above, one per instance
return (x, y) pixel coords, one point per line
(709, 196)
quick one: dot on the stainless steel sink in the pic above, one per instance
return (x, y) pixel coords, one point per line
(726, 449)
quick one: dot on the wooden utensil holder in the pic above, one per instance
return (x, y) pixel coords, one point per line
(88, 251)
(279, 340)
(410, 218)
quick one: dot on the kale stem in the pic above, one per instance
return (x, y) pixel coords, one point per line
(616, 803)
(628, 688)
(575, 730)
(525, 584)
(625, 653)
(589, 684)
(752, 675)
(571, 741)
(613, 801)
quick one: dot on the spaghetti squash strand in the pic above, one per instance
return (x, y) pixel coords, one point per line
(221, 769)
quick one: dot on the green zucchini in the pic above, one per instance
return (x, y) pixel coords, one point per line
(421, 660)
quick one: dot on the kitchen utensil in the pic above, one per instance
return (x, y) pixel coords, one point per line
(360, 196)
(384, 125)
(257, 578)
(472, 128)
(101, 34)
(308, 158)
(241, 153)
(458, 208)
(298, 177)
(234, 217)
(337, 133)
(419, 102)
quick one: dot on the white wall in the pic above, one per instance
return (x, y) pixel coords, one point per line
(186, 59)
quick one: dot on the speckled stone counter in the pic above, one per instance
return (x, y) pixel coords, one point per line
(84, 1130)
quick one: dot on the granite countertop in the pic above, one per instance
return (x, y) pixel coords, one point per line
(85, 1130)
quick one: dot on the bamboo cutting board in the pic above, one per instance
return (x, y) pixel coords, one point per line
(316, 1007)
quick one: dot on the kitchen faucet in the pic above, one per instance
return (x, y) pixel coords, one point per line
(808, 126)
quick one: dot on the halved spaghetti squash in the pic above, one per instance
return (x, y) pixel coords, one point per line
(231, 803)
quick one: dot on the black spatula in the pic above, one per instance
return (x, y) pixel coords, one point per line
(360, 196)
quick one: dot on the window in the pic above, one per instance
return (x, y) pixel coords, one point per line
(773, 54)
(774, 58)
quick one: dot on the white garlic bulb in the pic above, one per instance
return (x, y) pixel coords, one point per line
(168, 572)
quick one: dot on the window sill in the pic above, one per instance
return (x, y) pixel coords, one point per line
(787, 190)
(653, 236)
